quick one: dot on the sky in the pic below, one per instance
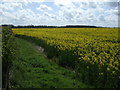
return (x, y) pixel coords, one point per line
(60, 12)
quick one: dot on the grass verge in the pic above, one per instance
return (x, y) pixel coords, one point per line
(33, 70)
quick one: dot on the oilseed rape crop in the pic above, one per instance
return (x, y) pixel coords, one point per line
(92, 52)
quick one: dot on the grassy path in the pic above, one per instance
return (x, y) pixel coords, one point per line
(34, 70)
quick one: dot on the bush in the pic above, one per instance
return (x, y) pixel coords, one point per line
(8, 54)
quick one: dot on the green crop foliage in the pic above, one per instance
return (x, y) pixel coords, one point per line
(92, 52)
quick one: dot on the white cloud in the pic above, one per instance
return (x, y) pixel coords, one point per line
(47, 14)
(87, 5)
(90, 13)
(101, 18)
(22, 16)
(44, 8)
(22, 0)
(27, 17)
(5, 7)
(63, 2)
(11, 6)
(92, 5)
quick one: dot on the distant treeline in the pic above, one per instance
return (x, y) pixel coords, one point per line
(45, 26)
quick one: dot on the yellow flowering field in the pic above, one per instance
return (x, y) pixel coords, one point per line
(85, 48)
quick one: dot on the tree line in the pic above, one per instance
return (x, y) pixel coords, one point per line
(45, 26)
